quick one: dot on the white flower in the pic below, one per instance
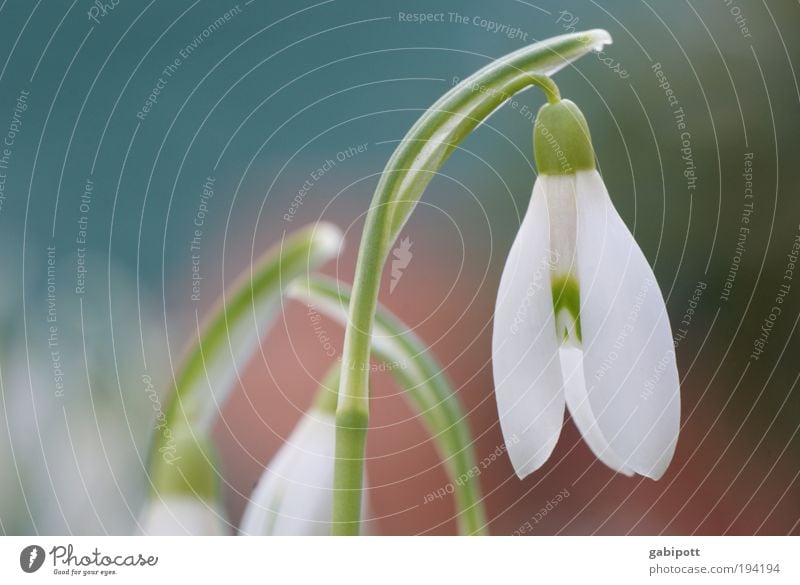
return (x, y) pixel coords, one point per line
(181, 515)
(294, 496)
(580, 319)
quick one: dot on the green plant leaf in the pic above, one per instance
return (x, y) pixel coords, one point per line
(181, 457)
(426, 385)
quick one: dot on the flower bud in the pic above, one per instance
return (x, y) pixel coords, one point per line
(562, 144)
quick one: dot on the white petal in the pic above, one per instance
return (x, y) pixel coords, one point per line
(181, 515)
(527, 371)
(294, 495)
(629, 357)
(581, 409)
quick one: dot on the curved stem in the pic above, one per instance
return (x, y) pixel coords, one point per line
(548, 87)
(181, 459)
(426, 386)
(411, 167)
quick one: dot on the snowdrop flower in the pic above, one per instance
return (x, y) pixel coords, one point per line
(580, 319)
(184, 503)
(173, 515)
(294, 495)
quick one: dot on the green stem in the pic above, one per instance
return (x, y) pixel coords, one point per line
(411, 167)
(328, 391)
(425, 384)
(548, 87)
(351, 435)
(182, 460)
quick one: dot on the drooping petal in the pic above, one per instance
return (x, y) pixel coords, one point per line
(581, 410)
(294, 495)
(629, 357)
(181, 515)
(527, 371)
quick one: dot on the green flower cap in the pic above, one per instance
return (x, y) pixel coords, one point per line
(562, 144)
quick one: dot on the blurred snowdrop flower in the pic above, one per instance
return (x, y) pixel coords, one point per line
(184, 500)
(177, 515)
(72, 431)
(580, 319)
(294, 496)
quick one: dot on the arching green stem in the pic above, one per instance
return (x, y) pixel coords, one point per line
(181, 460)
(426, 386)
(409, 170)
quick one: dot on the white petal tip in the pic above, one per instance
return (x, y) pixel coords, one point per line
(523, 471)
(654, 474)
(328, 239)
(530, 452)
(175, 516)
(659, 468)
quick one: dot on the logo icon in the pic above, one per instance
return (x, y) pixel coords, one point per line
(31, 558)
(403, 256)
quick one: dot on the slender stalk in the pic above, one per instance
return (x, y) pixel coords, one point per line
(181, 459)
(328, 391)
(351, 435)
(411, 167)
(548, 87)
(426, 386)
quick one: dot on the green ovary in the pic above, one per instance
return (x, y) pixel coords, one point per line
(567, 307)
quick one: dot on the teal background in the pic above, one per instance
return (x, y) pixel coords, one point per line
(261, 104)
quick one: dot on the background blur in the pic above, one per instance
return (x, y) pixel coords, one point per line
(260, 104)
